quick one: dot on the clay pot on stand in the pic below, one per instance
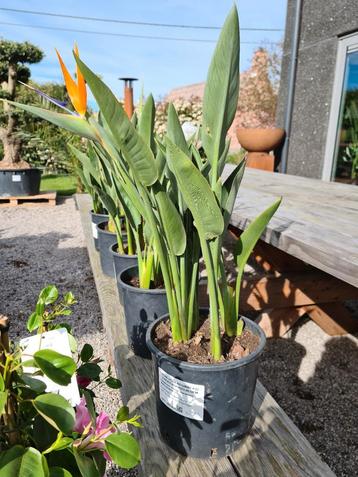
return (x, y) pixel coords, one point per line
(258, 142)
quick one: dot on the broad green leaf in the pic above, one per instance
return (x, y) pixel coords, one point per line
(59, 444)
(21, 462)
(90, 371)
(175, 131)
(57, 411)
(69, 298)
(86, 353)
(123, 414)
(134, 149)
(59, 472)
(44, 434)
(3, 399)
(34, 322)
(123, 449)
(146, 122)
(229, 191)
(196, 193)
(113, 383)
(221, 89)
(35, 384)
(49, 295)
(73, 124)
(247, 242)
(58, 367)
(2, 383)
(87, 466)
(90, 406)
(172, 222)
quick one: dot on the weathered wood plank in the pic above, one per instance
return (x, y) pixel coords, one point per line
(44, 198)
(316, 222)
(293, 455)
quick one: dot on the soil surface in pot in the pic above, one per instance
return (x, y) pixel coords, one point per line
(197, 349)
(134, 282)
(106, 228)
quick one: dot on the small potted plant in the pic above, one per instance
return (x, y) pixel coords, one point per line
(42, 433)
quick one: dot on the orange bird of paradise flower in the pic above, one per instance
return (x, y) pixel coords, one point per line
(76, 90)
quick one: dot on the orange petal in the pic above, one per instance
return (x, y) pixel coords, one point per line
(82, 91)
(71, 86)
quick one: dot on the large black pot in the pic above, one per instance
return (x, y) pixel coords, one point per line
(222, 395)
(15, 182)
(105, 241)
(141, 308)
(96, 219)
(121, 262)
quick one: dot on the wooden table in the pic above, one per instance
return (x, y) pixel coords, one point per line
(309, 249)
(274, 448)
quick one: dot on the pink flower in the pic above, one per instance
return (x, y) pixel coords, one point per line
(83, 382)
(83, 417)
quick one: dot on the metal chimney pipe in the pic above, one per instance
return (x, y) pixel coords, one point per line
(128, 95)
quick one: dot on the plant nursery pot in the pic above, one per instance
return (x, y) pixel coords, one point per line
(105, 241)
(96, 219)
(205, 410)
(121, 262)
(141, 308)
(14, 182)
(260, 139)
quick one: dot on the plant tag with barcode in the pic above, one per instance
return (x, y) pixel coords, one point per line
(182, 397)
(56, 340)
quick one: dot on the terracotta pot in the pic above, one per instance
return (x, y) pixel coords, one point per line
(259, 139)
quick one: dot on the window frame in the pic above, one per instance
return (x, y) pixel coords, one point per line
(346, 45)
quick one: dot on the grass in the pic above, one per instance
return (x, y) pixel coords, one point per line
(63, 184)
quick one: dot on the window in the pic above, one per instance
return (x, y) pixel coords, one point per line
(341, 158)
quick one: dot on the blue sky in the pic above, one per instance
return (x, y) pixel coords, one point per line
(160, 65)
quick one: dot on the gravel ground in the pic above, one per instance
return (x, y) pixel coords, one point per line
(311, 375)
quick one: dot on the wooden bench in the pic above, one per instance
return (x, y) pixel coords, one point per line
(275, 447)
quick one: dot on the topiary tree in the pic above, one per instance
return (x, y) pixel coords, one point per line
(13, 59)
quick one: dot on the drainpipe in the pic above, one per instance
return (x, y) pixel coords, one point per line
(128, 95)
(291, 85)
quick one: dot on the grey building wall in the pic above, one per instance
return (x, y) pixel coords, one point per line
(322, 23)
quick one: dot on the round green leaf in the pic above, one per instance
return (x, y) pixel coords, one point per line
(58, 367)
(33, 322)
(90, 371)
(123, 449)
(57, 411)
(113, 383)
(21, 462)
(86, 352)
(49, 295)
(35, 384)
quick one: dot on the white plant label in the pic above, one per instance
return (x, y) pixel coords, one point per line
(16, 178)
(181, 397)
(57, 340)
(94, 230)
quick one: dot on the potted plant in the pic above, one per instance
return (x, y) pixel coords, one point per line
(16, 176)
(43, 433)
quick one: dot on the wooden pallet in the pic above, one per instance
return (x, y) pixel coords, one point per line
(44, 198)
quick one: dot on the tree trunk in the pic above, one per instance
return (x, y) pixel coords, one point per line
(11, 143)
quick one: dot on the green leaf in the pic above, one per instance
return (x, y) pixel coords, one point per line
(87, 466)
(57, 411)
(196, 192)
(229, 191)
(34, 322)
(73, 124)
(43, 433)
(59, 472)
(69, 299)
(49, 295)
(2, 383)
(86, 353)
(172, 222)
(59, 444)
(58, 367)
(21, 462)
(247, 242)
(123, 449)
(113, 383)
(146, 122)
(90, 406)
(3, 399)
(89, 370)
(221, 89)
(123, 414)
(35, 384)
(175, 131)
(136, 152)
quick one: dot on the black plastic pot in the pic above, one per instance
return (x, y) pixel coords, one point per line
(96, 219)
(141, 308)
(121, 262)
(223, 393)
(15, 182)
(105, 241)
